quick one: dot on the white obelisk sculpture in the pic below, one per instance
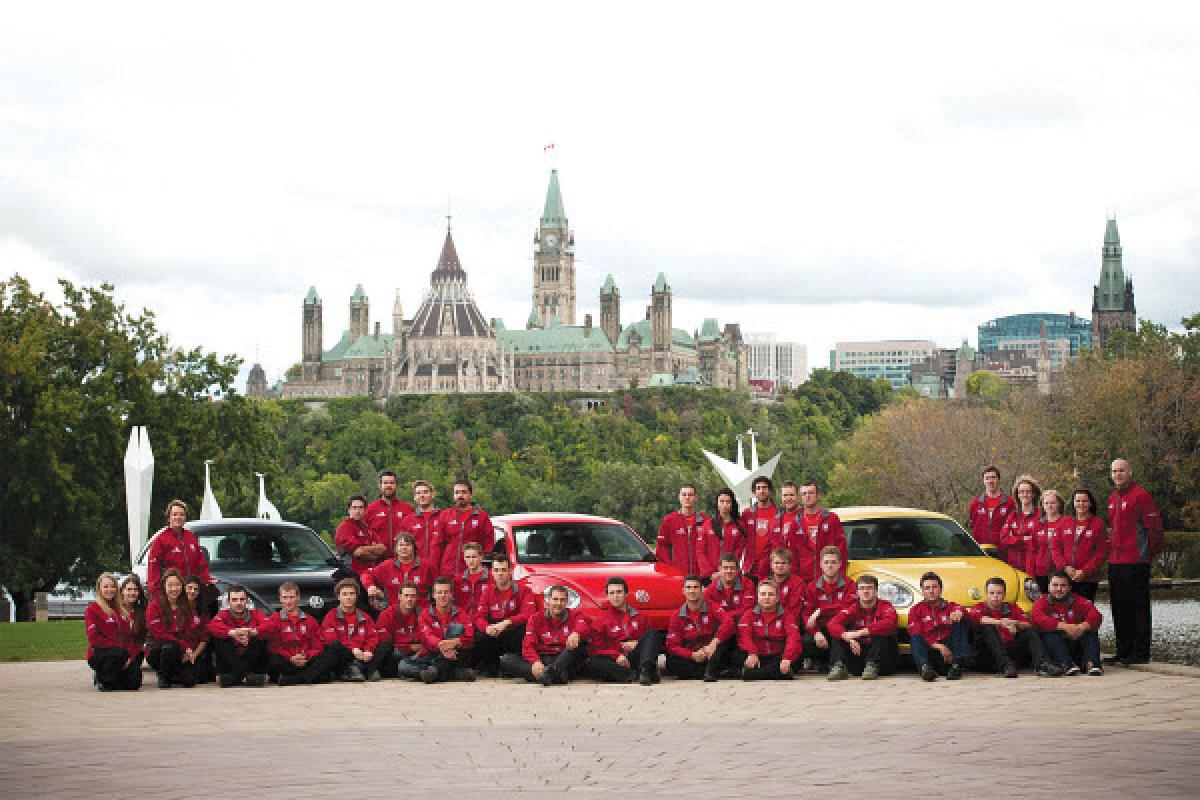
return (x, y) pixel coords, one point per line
(139, 484)
(266, 509)
(209, 509)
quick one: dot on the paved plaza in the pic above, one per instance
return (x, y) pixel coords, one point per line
(1132, 733)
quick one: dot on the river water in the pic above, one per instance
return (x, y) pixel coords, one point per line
(1176, 629)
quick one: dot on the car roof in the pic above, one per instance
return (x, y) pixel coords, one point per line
(855, 513)
(216, 525)
(551, 516)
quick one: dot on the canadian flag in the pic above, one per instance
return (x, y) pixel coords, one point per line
(548, 148)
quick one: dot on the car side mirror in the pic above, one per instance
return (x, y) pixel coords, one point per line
(991, 550)
(650, 557)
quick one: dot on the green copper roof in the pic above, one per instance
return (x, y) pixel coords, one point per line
(370, 346)
(559, 339)
(660, 284)
(1110, 291)
(554, 215)
(609, 287)
(533, 322)
(1110, 233)
(680, 339)
(358, 295)
(709, 331)
(556, 322)
(311, 298)
(338, 351)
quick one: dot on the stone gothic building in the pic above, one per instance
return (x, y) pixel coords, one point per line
(450, 347)
(1112, 298)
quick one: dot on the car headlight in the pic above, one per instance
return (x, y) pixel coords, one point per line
(572, 597)
(1031, 589)
(897, 594)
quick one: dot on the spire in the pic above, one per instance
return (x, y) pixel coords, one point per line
(311, 298)
(1110, 291)
(448, 266)
(610, 286)
(359, 296)
(1111, 237)
(554, 216)
(661, 285)
(532, 322)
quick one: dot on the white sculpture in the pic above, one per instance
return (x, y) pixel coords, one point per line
(266, 509)
(209, 508)
(735, 474)
(139, 484)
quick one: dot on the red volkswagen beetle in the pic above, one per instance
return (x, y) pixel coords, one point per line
(581, 552)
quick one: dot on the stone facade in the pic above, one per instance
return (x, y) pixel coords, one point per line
(1112, 298)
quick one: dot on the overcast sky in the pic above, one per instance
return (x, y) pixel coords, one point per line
(891, 171)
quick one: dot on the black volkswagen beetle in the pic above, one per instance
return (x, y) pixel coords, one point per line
(260, 554)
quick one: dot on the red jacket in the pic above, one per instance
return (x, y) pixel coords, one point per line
(733, 540)
(762, 536)
(687, 632)
(1019, 531)
(431, 628)
(220, 625)
(1047, 614)
(106, 631)
(1083, 546)
(516, 603)
(1136, 528)
(735, 601)
(458, 528)
(426, 528)
(987, 524)
(878, 620)
(791, 593)
(826, 532)
(392, 574)
(1007, 611)
(163, 626)
(358, 631)
(292, 636)
(829, 597)
(386, 520)
(350, 536)
(182, 552)
(930, 621)
(688, 543)
(545, 635)
(399, 629)
(610, 627)
(1037, 554)
(769, 635)
(469, 588)
(787, 523)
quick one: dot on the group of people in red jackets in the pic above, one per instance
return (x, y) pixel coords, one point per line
(766, 597)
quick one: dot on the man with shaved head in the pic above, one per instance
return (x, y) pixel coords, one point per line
(1136, 538)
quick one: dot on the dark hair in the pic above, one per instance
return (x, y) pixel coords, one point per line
(995, 582)
(729, 558)
(1091, 499)
(409, 585)
(762, 479)
(990, 468)
(812, 483)
(405, 537)
(444, 581)
(558, 587)
(501, 558)
(466, 483)
(691, 486)
(735, 514)
(354, 497)
(1058, 573)
(421, 482)
(192, 579)
(782, 552)
(767, 582)
(616, 580)
(691, 578)
(236, 587)
(138, 612)
(345, 583)
(869, 580)
(387, 473)
(788, 485)
(183, 604)
(932, 576)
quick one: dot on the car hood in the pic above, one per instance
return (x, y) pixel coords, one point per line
(662, 582)
(963, 578)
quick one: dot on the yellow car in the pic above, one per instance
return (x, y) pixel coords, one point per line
(899, 545)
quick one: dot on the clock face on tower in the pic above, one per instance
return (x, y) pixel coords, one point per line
(551, 240)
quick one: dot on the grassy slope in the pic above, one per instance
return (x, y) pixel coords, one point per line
(42, 641)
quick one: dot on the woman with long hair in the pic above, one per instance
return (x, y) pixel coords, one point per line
(114, 649)
(727, 526)
(174, 546)
(1037, 554)
(1081, 546)
(171, 622)
(199, 638)
(1023, 522)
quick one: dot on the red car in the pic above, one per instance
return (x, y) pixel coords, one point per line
(581, 552)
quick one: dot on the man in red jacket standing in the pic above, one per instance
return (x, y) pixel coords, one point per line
(938, 633)
(700, 637)
(621, 645)
(1068, 624)
(240, 652)
(424, 524)
(386, 515)
(686, 539)
(761, 524)
(470, 584)
(989, 511)
(1135, 538)
(864, 635)
(297, 651)
(503, 612)
(552, 650)
(787, 523)
(819, 528)
(463, 522)
(355, 539)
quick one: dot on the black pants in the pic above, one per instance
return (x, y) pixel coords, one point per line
(813, 650)
(1085, 589)
(379, 657)
(567, 664)
(687, 669)
(1129, 593)
(1043, 582)
(992, 655)
(487, 649)
(643, 657)
(111, 672)
(240, 662)
(202, 667)
(883, 651)
(767, 669)
(317, 670)
(167, 660)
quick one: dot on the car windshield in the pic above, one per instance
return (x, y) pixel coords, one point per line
(561, 542)
(908, 538)
(231, 549)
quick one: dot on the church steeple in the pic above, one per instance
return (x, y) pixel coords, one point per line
(554, 261)
(1112, 298)
(448, 266)
(554, 216)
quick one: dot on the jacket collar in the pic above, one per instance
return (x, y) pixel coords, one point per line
(683, 609)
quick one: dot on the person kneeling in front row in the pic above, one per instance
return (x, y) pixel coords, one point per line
(939, 633)
(1007, 635)
(353, 636)
(238, 649)
(298, 654)
(1068, 623)
(552, 650)
(863, 635)
(397, 624)
(621, 646)
(700, 637)
(769, 636)
(447, 633)
(116, 634)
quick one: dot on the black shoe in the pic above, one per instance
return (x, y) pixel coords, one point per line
(429, 674)
(549, 676)
(710, 676)
(954, 673)
(374, 676)
(256, 680)
(1113, 661)
(163, 683)
(227, 679)
(465, 675)
(928, 673)
(1049, 669)
(100, 687)
(1010, 670)
(1092, 668)
(646, 678)
(289, 680)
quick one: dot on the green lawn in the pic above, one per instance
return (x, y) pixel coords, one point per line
(42, 641)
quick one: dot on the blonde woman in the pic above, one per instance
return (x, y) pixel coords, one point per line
(1037, 555)
(114, 641)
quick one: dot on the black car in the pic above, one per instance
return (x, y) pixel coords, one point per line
(260, 554)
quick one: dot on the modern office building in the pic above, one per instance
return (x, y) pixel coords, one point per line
(1027, 328)
(783, 365)
(891, 359)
